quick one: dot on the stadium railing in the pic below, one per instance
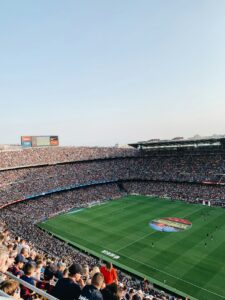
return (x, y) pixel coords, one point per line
(4, 296)
(29, 286)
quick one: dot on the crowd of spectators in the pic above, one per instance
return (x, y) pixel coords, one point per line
(37, 171)
(193, 193)
(22, 183)
(53, 155)
(45, 251)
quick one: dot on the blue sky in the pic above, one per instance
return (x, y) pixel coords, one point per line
(98, 72)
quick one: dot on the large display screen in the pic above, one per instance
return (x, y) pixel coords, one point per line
(39, 141)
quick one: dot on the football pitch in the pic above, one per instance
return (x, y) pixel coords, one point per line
(190, 261)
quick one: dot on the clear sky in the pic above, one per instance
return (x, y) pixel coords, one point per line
(98, 72)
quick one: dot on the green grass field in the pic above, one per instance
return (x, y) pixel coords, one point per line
(178, 261)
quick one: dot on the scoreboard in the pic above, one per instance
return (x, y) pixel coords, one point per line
(39, 141)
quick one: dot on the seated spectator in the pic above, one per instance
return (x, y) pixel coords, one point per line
(69, 288)
(38, 270)
(109, 273)
(31, 258)
(129, 294)
(86, 275)
(21, 245)
(60, 269)
(92, 291)
(137, 296)
(112, 292)
(16, 269)
(23, 254)
(29, 270)
(46, 283)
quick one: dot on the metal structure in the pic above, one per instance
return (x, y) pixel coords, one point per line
(29, 286)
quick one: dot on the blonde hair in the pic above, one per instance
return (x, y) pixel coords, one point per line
(94, 270)
(9, 286)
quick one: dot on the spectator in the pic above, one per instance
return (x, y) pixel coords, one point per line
(16, 269)
(69, 288)
(46, 283)
(29, 270)
(92, 292)
(60, 269)
(11, 288)
(109, 273)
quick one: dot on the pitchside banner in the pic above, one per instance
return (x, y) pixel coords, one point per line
(39, 141)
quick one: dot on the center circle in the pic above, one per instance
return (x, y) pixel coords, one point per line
(170, 224)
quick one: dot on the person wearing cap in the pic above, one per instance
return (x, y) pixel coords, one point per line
(92, 291)
(16, 269)
(69, 288)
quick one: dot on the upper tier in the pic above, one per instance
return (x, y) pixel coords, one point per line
(50, 155)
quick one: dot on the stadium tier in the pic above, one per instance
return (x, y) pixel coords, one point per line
(39, 184)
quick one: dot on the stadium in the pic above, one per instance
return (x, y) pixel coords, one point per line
(154, 210)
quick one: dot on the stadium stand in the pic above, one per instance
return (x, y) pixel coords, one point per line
(76, 177)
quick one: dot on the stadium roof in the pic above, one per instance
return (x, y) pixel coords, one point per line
(179, 143)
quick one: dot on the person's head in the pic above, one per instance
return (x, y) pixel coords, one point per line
(32, 254)
(108, 265)
(44, 262)
(39, 264)
(137, 296)
(48, 273)
(11, 288)
(94, 270)
(65, 273)
(5, 232)
(61, 266)
(112, 292)
(20, 261)
(29, 269)
(75, 271)
(10, 247)
(25, 252)
(13, 254)
(17, 239)
(97, 280)
(85, 270)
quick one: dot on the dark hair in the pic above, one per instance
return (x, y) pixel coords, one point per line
(112, 292)
(24, 250)
(108, 265)
(136, 297)
(48, 273)
(1, 237)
